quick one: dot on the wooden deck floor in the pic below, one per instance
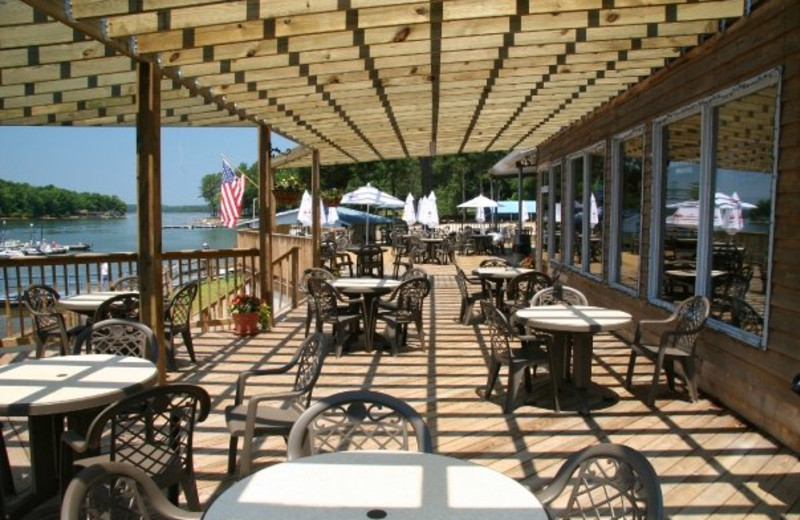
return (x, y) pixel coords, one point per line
(711, 463)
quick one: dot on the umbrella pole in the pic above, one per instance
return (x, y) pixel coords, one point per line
(366, 238)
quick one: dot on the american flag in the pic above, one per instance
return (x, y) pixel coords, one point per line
(230, 196)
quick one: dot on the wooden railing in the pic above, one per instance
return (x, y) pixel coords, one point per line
(221, 273)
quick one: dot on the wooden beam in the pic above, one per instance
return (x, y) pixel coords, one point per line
(148, 166)
(266, 213)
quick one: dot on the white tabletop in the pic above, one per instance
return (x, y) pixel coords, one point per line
(363, 484)
(87, 302)
(365, 284)
(500, 272)
(574, 318)
(70, 383)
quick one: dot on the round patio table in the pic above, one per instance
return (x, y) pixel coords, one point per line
(369, 289)
(87, 303)
(376, 484)
(581, 322)
(45, 390)
(498, 276)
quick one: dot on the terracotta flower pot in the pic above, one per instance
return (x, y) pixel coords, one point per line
(332, 202)
(245, 324)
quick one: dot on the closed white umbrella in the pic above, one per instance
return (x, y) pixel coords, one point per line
(594, 217)
(431, 212)
(333, 216)
(422, 210)
(370, 196)
(322, 219)
(409, 214)
(304, 215)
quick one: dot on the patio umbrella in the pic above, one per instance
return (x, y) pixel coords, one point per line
(594, 217)
(304, 216)
(431, 211)
(369, 196)
(322, 219)
(333, 216)
(480, 201)
(409, 214)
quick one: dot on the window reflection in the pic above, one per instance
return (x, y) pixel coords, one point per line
(681, 210)
(743, 179)
(544, 211)
(576, 167)
(556, 201)
(596, 212)
(631, 164)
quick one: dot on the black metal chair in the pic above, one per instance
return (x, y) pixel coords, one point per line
(48, 323)
(177, 320)
(127, 283)
(312, 272)
(745, 317)
(369, 261)
(468, 298)
(118, 490)
(677, 341)
(273, 413)
(118, 337)
(534, 350)
(358, 420)
(333, 308)
(404, 306)
(607, 481)
(152, 430)
(343, 259)
(124, 306)
(522, 288)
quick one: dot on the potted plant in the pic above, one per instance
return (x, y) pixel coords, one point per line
(331, 197)
(287, 189)
(245, 312)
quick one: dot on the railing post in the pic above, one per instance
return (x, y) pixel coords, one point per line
(295, 276)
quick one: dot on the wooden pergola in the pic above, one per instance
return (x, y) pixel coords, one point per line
(350, 81)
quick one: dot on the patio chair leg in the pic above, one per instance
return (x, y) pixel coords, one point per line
(189, 486)
(514, 376)
(494, 371)
(187, 340)
(691, 377)
(631, 364)
(308, 318)
(651, 396)
(669, 367)
(233, 446)
(421, 335)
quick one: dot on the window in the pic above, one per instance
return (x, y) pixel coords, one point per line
(543, 213)
(713, 190)
(555, 211)
(584, 215)
(628, 168)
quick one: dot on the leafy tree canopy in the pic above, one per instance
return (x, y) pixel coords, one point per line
(25, 201)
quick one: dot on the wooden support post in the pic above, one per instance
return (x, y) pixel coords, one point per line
(148, 183)
(316, 231)
(266, 214)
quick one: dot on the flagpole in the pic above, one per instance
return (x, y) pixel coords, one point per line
(230, 163)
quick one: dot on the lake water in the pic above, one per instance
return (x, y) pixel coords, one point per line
(118, 235)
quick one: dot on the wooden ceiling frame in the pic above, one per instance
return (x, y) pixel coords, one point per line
(359, 80)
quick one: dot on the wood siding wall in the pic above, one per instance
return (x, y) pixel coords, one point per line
(752, 382)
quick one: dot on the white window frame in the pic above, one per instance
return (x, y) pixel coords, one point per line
(615, 240)
(585, 155)
(707, 108)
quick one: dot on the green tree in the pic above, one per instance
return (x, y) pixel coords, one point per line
(210, 189)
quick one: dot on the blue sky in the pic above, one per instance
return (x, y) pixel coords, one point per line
(103, 160)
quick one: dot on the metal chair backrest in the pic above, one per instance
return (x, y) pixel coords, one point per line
(414, 272)
(41, 302)
(326, 298)
(358, 420)
(307, 362)
(745, 317)
(550, 296)
(118, 337)
(124, 306)
(608, 481)
(524, 286)
(128, 283)
(499, 332)
(313, 272)
(153, 430)
(691, 315)
(410, 297)
(180, 307)
(117, 490)
(369, 261)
